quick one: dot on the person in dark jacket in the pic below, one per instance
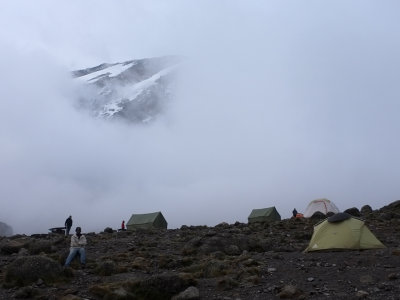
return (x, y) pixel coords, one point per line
(68, 225)
(294, 213)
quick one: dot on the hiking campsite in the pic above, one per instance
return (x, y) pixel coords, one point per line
(260, 260)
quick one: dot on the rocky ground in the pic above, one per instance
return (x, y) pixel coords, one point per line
(228, 261)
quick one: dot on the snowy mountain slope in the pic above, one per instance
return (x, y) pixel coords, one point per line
(136, 91)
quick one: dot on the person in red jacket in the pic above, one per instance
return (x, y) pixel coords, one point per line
(123, 226)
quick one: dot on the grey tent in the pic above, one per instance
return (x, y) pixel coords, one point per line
(264, 215)
(151, 220)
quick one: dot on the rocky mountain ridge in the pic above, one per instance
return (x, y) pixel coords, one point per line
(135, 91)
(228, 261)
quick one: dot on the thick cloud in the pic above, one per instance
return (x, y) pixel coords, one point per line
(277, 105)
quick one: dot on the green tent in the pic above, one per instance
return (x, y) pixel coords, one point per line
(350, 233)
(147, 221)
(264, 215)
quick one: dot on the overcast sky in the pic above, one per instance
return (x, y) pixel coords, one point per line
(284, 102)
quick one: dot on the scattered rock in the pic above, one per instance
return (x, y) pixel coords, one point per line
(106, 268)
(366, 279)
(40, 246)
(232, 250)
(191, 293)
(14, 246)
(26, 292)
(28, 269)
(386, 216)
(362, 294)
(289, 291)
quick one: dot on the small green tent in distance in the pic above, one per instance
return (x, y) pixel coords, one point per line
(147, 221)
(342, 231)
(264, 215)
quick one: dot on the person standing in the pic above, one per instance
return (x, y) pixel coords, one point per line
(123, 225)
(68, 225)
(78, 243)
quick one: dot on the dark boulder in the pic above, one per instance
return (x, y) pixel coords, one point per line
(108, 230)
(353, 211)
(366, 210)
(318, 216)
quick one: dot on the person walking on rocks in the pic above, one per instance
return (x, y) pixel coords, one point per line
(78, 243)
(68, 225)
(123, 225)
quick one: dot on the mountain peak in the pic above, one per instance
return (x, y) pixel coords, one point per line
(136, 91)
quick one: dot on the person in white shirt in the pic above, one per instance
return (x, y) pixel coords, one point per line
(78, 243)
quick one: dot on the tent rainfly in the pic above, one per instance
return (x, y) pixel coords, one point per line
(342, 231)
(322, 205)
(147, 221)
(264, 215)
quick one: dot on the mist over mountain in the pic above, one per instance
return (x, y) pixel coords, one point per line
(5, 229)
(136, 91)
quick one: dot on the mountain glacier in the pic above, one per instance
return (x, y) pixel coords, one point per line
(136, 91)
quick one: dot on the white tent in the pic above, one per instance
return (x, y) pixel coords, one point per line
(321, 205)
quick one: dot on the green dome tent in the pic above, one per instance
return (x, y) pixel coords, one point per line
(342, 231)
(147, 221)
(264, 215)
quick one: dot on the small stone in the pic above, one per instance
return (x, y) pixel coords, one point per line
(366, 279)
(289, 291)
(120, 292)
(393, 276)
(70, 292)
(190, 293)
(23, 252)
(310, 279)
(271, 270)
(361, 294)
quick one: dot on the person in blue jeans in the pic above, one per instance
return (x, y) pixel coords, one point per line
(78, 243)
